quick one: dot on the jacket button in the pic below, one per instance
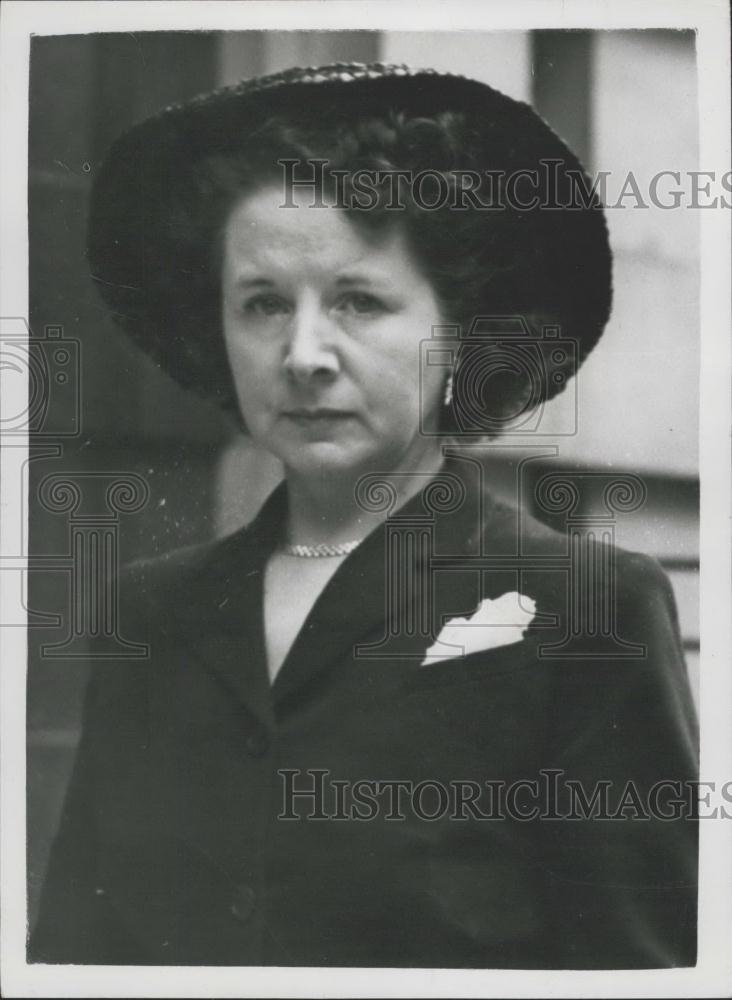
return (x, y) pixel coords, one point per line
(242, 905)
(257, 743)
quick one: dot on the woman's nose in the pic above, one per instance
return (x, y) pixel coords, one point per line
(310, 348)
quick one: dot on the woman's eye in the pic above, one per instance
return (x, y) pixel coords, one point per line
(361, 303)
(265, 305)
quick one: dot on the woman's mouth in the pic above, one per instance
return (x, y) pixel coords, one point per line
(320, 418)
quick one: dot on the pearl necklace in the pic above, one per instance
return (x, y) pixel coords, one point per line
(320, 551)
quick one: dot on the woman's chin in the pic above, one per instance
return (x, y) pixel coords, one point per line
(322, 457)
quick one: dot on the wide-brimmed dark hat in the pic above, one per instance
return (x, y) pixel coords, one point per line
(145, 265)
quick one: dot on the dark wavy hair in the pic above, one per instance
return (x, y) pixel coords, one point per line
(547, 266)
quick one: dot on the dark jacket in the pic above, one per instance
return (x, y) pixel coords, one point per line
(175, 846)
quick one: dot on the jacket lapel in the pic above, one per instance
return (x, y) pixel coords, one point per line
(225, 625)
(387, 600)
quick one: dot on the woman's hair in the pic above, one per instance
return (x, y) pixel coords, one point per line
(496, 260)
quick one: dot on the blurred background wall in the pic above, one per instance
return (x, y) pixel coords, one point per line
(623, 100)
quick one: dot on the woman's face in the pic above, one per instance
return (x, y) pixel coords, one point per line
(323, 326)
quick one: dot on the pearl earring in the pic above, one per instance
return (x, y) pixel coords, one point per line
(448, 390)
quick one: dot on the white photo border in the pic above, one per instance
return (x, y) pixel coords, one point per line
(713, 974)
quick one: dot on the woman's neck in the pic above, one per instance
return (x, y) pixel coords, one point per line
(324, 509)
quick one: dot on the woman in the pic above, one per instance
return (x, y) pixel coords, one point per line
(392, 722)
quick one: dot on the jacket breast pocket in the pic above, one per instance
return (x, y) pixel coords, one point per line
(483, 666)
(484, 713)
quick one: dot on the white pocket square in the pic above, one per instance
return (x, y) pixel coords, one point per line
(498, 622)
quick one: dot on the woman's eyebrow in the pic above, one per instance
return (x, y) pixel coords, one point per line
(245, 281)
(361, 278)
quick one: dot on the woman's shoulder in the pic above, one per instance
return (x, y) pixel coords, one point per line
(583, 574)
(152, 583)
(535, 538)
(162, 602)
(149, 583)
(164, 568)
